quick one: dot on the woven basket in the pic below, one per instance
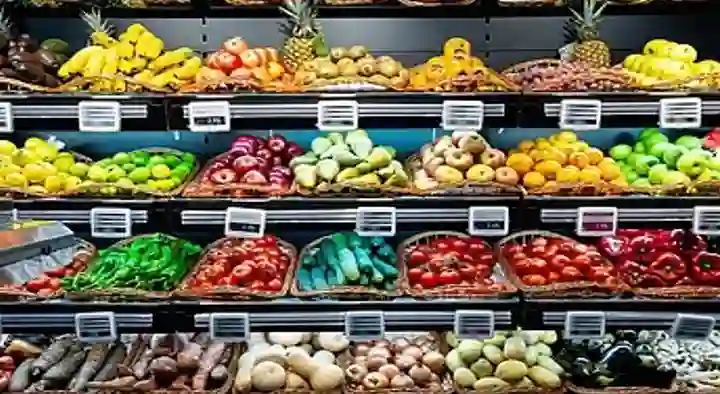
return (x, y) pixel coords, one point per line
(195, 188)
(352, 291)
(464, 291)
(709, 188)
(252, 2)
(236, 293)
(467, 188)
(623, 390)
(124, 293)
(435, 3)
(510, 390)
(532, 3)
(108, 84)
(349, 189)
(604, 189)
(94, 188)
(353, 2)
(16, 192)
(577, 288)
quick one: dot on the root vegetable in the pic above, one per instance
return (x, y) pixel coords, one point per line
(275, 353)
(52, 355)
(356, 373)
(324, 357)
(511, 370)
(295, 349)
(141, 365)
(20, 379)
(92, 363)
(268, 376)
(413, 351)
(420, 373)
(361, 350)
(375, 380)
(464, 377)
(22, 350)
(374, 363)
(400, 344)
(379, 351)
(64, 369)
(295, 381)
(360, 360)
(163, 368)
(109, 370)
(304, 366)
(285, 338)
(208, 361)
(189, 357)
(327, 378)
(219, 373)
(389, 370)
(243, 379)
(332, 341)
(435, 361)
(405, 362)
(126, 382)
(145, 385)
(402, 381)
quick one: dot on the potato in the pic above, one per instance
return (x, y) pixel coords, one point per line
(303, 366)
(327, 377)
(268, 376)
(511, 370)
(544, 378)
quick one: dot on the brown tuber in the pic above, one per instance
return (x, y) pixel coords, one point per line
(375, 380)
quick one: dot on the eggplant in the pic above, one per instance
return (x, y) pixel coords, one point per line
(31, 72)
(619, 358)
(27, 43)
(24, 57)
(47, 59)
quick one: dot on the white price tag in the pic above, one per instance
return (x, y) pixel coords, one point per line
(580, 114)
(706, 220)
(337, 115)
(110, 222)
(375, 221)
(209, 116)
(472, 324)
(489, 221)
(584, 325)
(596, 221)
(229, 327)
(692, 327)
(462, 115)
(245, 222)
(681, 113)
(96, 327)
(100, 116)
(364, 325)
(6, 118)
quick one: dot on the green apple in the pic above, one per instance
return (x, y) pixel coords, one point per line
(657, 173)
(702, 152)
(671, 156)
(648, 133)
(714, 163)
(631, 176)
(659, 149)
(620, 152)
(97, 174)
(641, 182)
(705, 176)
(675, 178)
(691, 164)
(633, 158)
(689, 142)
(639, 147)
(644, 163)
(653, 140)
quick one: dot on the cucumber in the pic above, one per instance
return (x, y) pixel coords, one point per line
(340, 241)
(318, 278)
(386, 252)
(364, 280)
(348, 264)
(377, 242)
(376, 276)
(336, 272)
(389, 285)
(354, 241)
(363, 260)
(331, 278)
(327, 252)
(304, 279)
(308, 260)
(386, 269)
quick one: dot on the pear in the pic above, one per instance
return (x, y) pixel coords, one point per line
(357, 51)
(338, 53)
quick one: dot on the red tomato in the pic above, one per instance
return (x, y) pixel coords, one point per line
(459, 245)
(534, 280)
(266, 241)
(522, 267)
(248, 244)
(417, 258)
(558, 262)
(537, 251)
(273, 252)
(265, 271)
(581, 262)
(566, 247)
(580, 248)
(441, 245)
(538, 266)
(550, 252)
(571, 274)
(55, 272)
(429, 280)
(241, 275)
(511, 249)
(482, 272)
(485, 259)
(274, 285)
(414, 274)
(69, 271)
(257, 285)
(449, 277)
(35, 285)
(467, 272)
(53, 284)
(539, 242)
(553, 277)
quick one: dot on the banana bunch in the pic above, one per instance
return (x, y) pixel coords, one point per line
(136, 53)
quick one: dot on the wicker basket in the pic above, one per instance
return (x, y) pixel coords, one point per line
(351, 291)
(16, 192)
(605, 189)
(195, 188)
(349, 189)
(581, 288)
(435, 3)
(510, 390)
(352, 2)
(676, 389)
(95, 188)
(236, 293)
(502, 288)
(532, 3)
(124, 293)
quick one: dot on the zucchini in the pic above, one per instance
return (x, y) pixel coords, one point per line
(376, 276)
(386, 252)
(386, 269)
(328, 254)
(304, 279)
(340, 241)
(318, 279)
(348, 264)
(336, 272)
(364, 280)
(377, 242)
(308, 260)
(389, 285)
(354, 241)
(331, 278)
(363, 260)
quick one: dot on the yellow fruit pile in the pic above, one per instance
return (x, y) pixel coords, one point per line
(664, 60)
(562, 159)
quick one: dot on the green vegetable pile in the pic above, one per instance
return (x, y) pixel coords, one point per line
(153, 263)
(346, 259)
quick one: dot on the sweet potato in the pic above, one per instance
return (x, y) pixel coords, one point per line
(20, 379)
(92, 363)
(124, 383)
(219, 373)
(189, 357)
(164, 368)
(208, 361)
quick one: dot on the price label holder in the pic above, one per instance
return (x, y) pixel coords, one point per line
(706, 220)
(229, 327)
(596, 221)
(584, 325)
(96, 327)
(681, 113)
(6, 118)
(472, 324)
(337, 115)
(364, 325)
(209, 116)
(580, 114)
(489, 221)
(99, 116)
(692, 327)
(462, 115)
(376, 221)
(245, 222)
(110, 222)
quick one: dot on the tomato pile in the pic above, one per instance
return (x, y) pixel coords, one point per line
(449, 261)
(49, 282)
(547, 260)
(257, 264)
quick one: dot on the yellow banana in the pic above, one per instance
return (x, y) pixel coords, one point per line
(119, 85)
(163, 79)
(149, 46)
(132, 33)
(144, 76)
(125, 49)
(132, 66)
(94, 66)
(77, 62)
(111, 62)
(169, 59)
(189, 69)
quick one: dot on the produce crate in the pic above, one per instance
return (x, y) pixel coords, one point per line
(232, 292)
(435, 3)
(84, 253)
(623, 390)
(577, 288)
(502, 286)
(126, 293)
(344, 291)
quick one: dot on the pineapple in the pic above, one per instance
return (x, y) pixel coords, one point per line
(303, 38)
(587, 47)
(101, 31)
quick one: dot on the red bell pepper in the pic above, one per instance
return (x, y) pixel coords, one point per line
(706, 269)
(668, 266)
(632, 273)
(614, 245)
(571, 274)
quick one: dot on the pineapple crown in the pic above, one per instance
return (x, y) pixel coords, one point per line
(584, 27)
(301, 19)
(95, 21)
(5, 25)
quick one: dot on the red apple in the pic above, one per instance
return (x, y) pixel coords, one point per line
(235, 45)
(248, 143)
(263, 164)
(227, 61)
(223, 176)
(276, 161)
(281, 170)
(276, 144)
(254, 177)
(277, 179)
(245, 163)
(264, 153)
(292, 150)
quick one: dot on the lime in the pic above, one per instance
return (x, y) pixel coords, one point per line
(104, 163)
(128, 167)
(97, 174)
(7, 148)
(115, 173)
(64, 163)
(139, 175)
(125, 183)
(165, 184)
(171, 160)
(160, 171)
(188, 158)
(34, 173)
(140, 161)
(140, 153)
(79, 169)
(155, 160)
(122, 158)
(47, 152)
(177, 181)
(34, 142)
(181, 171)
